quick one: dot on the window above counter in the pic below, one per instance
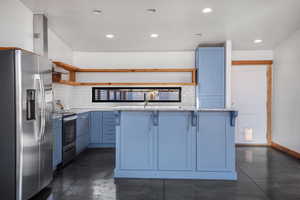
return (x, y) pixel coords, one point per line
(136, 94)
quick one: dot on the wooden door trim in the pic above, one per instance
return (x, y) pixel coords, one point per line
(252, 62)
(269, 75)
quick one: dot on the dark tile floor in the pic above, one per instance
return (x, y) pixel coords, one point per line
(264, 174)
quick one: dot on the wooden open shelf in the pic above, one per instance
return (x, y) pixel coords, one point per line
(73, 70)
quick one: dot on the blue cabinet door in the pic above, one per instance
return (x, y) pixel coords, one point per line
(210, 62)
(136, 141)
(82, 124)
(96, 127)
(82, 132)
(214, 142)
(108, 128)
(57, 144)
(176, 141)
(79, 144)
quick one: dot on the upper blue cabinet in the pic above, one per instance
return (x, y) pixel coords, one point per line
(210, 62)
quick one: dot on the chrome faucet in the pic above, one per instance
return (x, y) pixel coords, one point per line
(146, 103)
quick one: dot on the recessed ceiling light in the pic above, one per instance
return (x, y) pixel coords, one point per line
(257, 41)
(207, 10)
(97, 12)
(154, 35)
(110, 36)
(152, 10)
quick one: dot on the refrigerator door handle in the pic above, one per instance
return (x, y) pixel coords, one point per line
(37, 125)
(40, 106)
(43, 116)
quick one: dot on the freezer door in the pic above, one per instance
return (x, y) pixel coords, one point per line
(46, 140)
(28, 124)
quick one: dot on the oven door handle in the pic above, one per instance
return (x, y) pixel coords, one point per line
(70, 118)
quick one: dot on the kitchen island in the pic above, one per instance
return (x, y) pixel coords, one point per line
(179, 144)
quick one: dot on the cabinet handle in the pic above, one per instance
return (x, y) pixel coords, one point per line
(150, 124)
(117, 118)
(194, 118)
(233, 116)
(155, 118)
(189, 120)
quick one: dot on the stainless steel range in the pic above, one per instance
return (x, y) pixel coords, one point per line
(68, 137)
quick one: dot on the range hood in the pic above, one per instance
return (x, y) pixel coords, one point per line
(40, 34)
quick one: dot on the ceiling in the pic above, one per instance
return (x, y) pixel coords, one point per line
(176, 21)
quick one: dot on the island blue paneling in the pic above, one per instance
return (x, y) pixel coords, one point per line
(137, 138)
(57, 144)
(212, 141)
(180, 145)
(210, 62)
(176, 141)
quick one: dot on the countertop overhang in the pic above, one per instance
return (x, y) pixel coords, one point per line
(150, 108)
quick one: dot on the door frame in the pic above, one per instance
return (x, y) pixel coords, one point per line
(269, 74)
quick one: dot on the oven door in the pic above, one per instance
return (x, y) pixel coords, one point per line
(69, 131)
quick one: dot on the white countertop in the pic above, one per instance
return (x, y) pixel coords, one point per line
(149, 108)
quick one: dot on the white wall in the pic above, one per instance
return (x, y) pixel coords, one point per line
(16, 30)
(155, 59)
(185, 59)
(82, 95)
(253, 55)
(286, 97)
(58, 49)
(16, 27)
(134, 59)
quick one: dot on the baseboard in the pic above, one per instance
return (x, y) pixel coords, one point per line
(285, 150)
(251, 145)
(149, 174)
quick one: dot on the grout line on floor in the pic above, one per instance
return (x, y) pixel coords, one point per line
(252, 180)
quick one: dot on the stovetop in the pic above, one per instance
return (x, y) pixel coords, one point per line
(65, 113)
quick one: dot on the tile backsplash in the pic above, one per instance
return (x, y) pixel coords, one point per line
(63, 93)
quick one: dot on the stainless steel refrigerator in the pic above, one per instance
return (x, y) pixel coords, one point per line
(26, 124)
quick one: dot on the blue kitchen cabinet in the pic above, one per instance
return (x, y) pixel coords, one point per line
(108, 128)
(57, 141)
(215, 142)
(82, 143)
(103, 130)
(176, 141)
(96, 127)
(210, 62)
(137, 139)
(82, 132)
(175, 144)
(82, 124)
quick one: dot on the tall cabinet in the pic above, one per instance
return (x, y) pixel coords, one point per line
(211, 67)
